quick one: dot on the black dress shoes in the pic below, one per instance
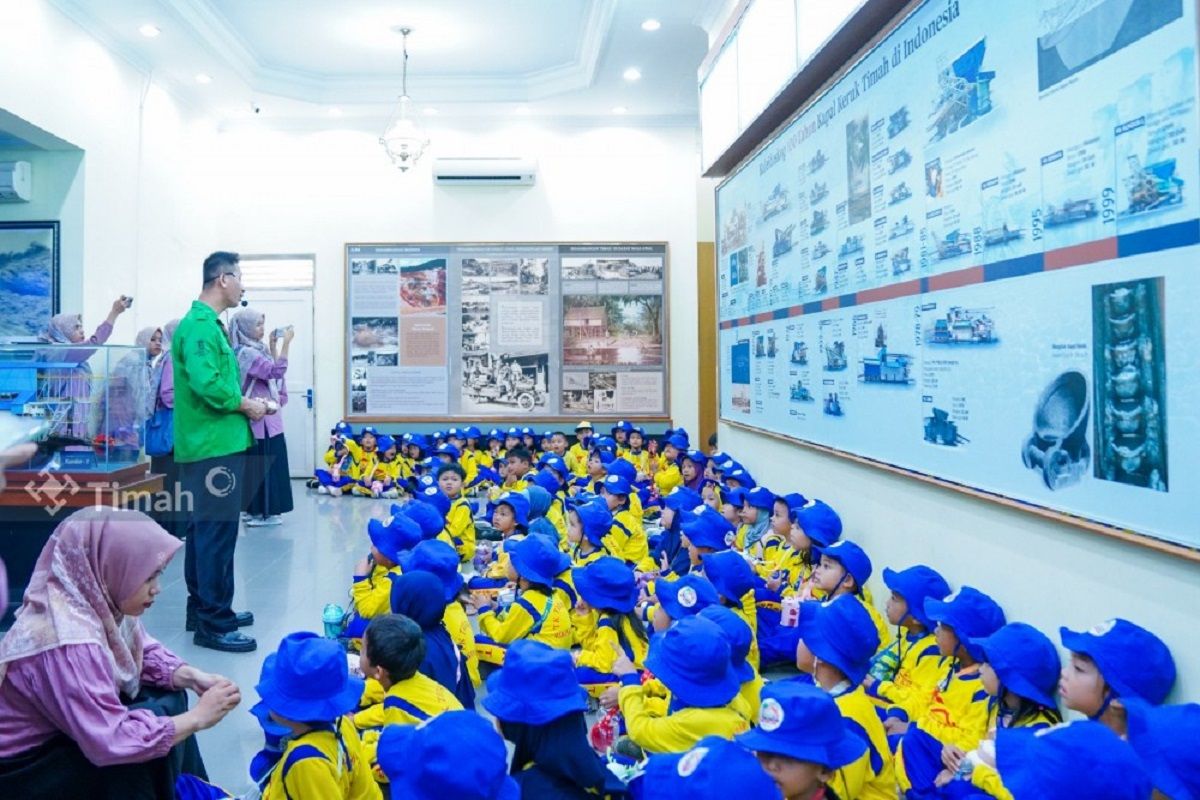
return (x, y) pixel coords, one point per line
(244, 619)
(231, 642)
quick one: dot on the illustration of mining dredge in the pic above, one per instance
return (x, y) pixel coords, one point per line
(893, 369)
(964, 93)
(964, 326)
(801, 394)
(1132, 448)
(940, 429)
(799, 353)
(1152, 187)
(835, 357)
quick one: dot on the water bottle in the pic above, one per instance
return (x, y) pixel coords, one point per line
(506, 598)
(789, 611)
(332, 616)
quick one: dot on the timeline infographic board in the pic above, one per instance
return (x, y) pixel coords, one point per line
(506, 330)
(977, 257)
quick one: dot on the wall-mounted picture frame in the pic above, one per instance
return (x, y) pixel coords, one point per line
(29, 278)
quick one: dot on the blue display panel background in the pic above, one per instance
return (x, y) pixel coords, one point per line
(975, 257)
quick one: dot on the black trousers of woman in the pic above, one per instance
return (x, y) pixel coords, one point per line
(268, 485)
(58, 769)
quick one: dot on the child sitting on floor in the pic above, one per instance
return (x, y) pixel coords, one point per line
(608, 587)
(372, 588)
(537, 612)
(510, 518)
(587, 526)
(740, 638)
(844, 570)
(460, 524)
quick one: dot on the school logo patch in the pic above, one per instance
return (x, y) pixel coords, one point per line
(730, 538)
(770, 716)
(1103, 628)
(431, 491)
(691, 761)
(950, 598)
(687, 597)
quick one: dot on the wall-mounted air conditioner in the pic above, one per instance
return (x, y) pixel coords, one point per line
(484, 171)
(16, 182)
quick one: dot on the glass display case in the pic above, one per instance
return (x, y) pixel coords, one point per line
(91, 402)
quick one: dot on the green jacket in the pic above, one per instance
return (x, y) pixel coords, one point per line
(208, 390)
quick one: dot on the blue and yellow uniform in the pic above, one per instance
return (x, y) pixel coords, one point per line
(640, 460)
(920, 667)
(408, 702)
(460, 527)
(667, 478)
(957, 714)
(582, 559)
(534, 615)
(470, 464)
(372, 594)
(324, 763)
(872, 776)
(680, 728)
(576, 459)
(605, 636)
(458, 625)
(627, 538)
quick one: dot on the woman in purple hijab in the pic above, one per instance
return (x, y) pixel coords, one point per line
(90, 705)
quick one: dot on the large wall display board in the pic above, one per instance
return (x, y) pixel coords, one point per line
(510, 331)
(977, 257)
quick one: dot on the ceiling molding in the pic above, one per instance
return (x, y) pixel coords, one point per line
(212, 28)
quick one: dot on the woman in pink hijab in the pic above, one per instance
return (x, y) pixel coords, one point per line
(90, 705)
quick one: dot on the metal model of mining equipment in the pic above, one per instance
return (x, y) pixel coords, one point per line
(1131, 441)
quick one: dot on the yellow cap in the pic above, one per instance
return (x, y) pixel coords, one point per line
(584, 424)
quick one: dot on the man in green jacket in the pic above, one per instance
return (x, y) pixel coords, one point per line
(211, 439)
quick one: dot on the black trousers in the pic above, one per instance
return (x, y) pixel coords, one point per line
(58, 769)
(214, 486)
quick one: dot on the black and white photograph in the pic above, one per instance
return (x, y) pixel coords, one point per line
(630, 269)
(589, 392)
(358, 402)
(535, 275)
(358, 385)
(358, 374)
(373, 333)
(475, 268)
(504, 284)
(506, 384)
(386, 358)
(475, 289)
(475, 337)
(578, 269)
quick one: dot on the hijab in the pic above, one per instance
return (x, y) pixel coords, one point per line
(421, 597)
(247, 348)
(560, 749)
(60, 329)
(96, 559)
(169, 333)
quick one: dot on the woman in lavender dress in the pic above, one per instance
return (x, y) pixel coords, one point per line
(173, 519)
(268, 487)
(90, 705)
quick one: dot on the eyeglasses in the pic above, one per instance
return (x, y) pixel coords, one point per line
(237, 275)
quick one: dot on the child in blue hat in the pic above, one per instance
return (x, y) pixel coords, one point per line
(345, 463)
(394, 648)
(684, 597)
(537, 613)
(425, 762)
(705, 531)
(693, 660)
(734, 580)
(636, 453)
(365, 452)
(905, 673)
(1115, 661)
(844, 569)
(306, 690)
(664, 471)
(775, 538)
(755, 515)
(540, 708)
(428, 514)
(1165, 739)
(837, 641)
(441, 560)
(386, 480)
(588, 524)
(956, 718)
(372, 588)
(627, 537)
(510, 518)
(597, 464)
(460, 523)
(1020, 671)
(608, 587)
(802, 741)
(668, 553)
(691, 468)
(1082, 759)
(740, 638)
(714, 769)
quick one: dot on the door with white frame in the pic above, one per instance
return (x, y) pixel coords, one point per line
(282, 288)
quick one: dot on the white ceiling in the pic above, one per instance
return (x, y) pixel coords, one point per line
(297, 59)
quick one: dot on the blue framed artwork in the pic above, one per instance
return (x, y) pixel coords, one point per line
(28, 278)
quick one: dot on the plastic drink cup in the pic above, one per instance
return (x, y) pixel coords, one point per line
(789, 614)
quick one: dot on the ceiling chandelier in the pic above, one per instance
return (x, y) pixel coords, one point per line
(403, 140)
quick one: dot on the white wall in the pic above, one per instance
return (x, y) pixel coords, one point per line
(1045, 573)
(311, 192)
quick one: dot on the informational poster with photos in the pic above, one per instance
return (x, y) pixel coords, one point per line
(507, 330)
(974, 257)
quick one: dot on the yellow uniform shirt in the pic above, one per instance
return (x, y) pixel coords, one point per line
(627, 538)
(748, 613)
(603, 643)
(408, 702)
(751, 694)
(372, 594)
(533, 616)
(460, 525)
(577, 458)
(556, 517)
(872, 776)
(666, 479)
(458, 625)
(582, 559)
(675, 733)
(640, 460)
(323, 765)
(986, 778)
(470, 466)
(957, 714)
(920, 668)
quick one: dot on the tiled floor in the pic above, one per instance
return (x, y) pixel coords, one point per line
(285, 575)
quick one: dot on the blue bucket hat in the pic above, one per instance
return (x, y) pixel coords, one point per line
(792, 500)
(1165, 738)
(730, 573)
(537, 560)
(495, 434)
(428, 518)
(615, 484)
(915, 584)
(307, 679)
(715, 769)
(536, 685)
(708, 528)
(1025, 661)
(547, 482)
(742, 476)
(394, 537)
(723, 461)
(607, 584)
(624, 469)
(440, 559)
(841, 633)
(680, 443)
(425, 762)
(802, 721)
(737, 634)
(693, 660)
(606, 456)
(623, 425)
(435, 497)
(559, 466)
(685, 596)
(819, 522)
(371, 429)
(972, 615)
(527, 431)
(736, 496)
(519, 504)
(513, 432)
(852, 558)
(343, 429)
(449, 450)
(472, 432)
(682, 498)
(759, 497)
(1067, 762)
(696, 457)
(1132, 660)
(385, 443)
(426, 481)
(596, 520)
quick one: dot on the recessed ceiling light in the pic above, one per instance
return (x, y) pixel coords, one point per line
(429, 112)
(203, 78)
(149, 31)
(335, 112)
(651, 25)
(619, 109)
(632, 74)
